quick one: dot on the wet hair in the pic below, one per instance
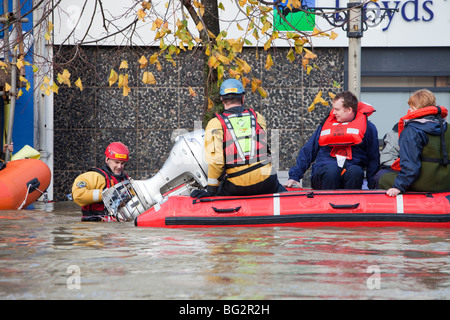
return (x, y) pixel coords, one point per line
(350, 100)
(422, 98)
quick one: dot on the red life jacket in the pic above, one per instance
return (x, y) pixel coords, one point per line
(234, 154)
(343, 135)
(419, 113)
(96, 211)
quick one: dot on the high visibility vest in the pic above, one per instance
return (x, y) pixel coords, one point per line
(244, 140)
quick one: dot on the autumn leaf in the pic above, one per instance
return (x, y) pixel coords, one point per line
(20, 64)
(112, 77)
(333, 35)
(7, 87)
(19, 93)
(192, 92)
(54, 87)
(309, 54)
(262, 92)
(141, 14)
(200, 26)
(123, 80)
(126, 90)
(143, 62)
(79, 84)
(146, 5)
(290, 55)
(148, 78)
(123, 65)
(64, 77)
(269, 62)
(210, 104)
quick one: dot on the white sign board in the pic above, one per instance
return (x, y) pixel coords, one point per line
(417, 23)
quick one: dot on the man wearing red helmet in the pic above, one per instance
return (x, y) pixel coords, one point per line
(87, 187)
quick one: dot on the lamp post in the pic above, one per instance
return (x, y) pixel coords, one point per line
(354, 34)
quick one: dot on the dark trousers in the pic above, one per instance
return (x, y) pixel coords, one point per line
(270, 185)
(333, 177)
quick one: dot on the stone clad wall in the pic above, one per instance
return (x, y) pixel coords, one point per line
(86, 122)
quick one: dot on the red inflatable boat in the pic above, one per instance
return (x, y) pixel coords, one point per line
(22, 182)
(305, 208)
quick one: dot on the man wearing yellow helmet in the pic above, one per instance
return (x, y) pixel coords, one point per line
(87, 187)
(236, 149)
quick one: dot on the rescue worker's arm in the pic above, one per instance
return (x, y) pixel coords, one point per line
(87, 188)
(214, 156)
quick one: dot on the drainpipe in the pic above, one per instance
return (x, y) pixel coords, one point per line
(43, 105)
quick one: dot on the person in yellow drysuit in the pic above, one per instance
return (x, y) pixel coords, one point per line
(87, 187)
(236, 149)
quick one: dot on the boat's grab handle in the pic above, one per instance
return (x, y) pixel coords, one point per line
(226, 210)
(344, 206)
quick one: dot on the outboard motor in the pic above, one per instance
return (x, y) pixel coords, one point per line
(183, 171)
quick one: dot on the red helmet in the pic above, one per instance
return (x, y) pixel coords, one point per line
(118, 151)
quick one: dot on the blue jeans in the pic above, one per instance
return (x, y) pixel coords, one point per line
(333, 177)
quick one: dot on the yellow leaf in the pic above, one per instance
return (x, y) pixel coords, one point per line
(146, 5)
(267, 44)
(239, 27)
(123, 65)
(148, 78)
(47, 91)
(141, 14)
(333, 35)
(46, 80)
(79, 84)
(309, 54)
(112, 77)
(35, 68)
(243, 65)
(290, 55)
(7, 87)
(192, 92)
(220, 72)
(54, 88)
(210, 104)
(23, 79)
(318, 97)
(50, 26)
(154, 58)
(3, 65)
(47, 36)
(262, 92)
(19, 93)
(121, 80)
(42, 87)
(200, 26)
(126, 90)
(269, 62)
(143, 62)
(245, 81)
(20, 64)
(332, 95)
(311, 107)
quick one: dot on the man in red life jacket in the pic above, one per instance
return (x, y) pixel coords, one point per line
(343, 146)
(236, 149)
(87, 187)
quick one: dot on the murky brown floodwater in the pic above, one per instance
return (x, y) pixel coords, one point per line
(47, 253)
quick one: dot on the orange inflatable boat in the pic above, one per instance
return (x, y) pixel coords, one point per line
(306, 208)
(22, 182)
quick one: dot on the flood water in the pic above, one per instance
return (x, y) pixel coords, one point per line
(48, 253)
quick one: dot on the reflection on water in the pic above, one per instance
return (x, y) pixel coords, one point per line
(47, 253)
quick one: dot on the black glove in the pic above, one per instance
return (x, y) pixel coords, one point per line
(197, 193)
